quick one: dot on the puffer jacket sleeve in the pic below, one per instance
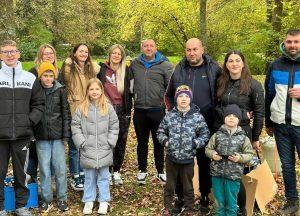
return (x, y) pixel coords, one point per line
(258, 110)
(270, 94)
(170, 92)
(66, 114)
(37, 103)
(163, 130)
(202, 132)
(113, 127)
(247, 152)
(210, 148)
(77, 131)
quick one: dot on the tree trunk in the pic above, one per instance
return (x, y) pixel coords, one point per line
(203, 21)
(277, 15)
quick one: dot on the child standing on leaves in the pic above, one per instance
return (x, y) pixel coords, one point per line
(51, 133)
(182, 131)
(230, 149)
(95, 129)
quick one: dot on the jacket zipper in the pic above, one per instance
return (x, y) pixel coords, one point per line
(181, 123)
(146, 74)
(13, 103)
(96, 136)
(288, 107)
(229, 93)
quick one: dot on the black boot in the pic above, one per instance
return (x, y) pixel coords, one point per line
(204, 205)
(290, 207)
(178, 207)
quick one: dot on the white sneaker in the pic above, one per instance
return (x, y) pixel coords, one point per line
(141, 177)
(162, 177)
(88, 208)
(117, 178)
(103, 208)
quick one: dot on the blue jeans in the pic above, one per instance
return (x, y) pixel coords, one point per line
(225, 192)
(52, 152)
(287, 139)
(94, 178)
(74, 159)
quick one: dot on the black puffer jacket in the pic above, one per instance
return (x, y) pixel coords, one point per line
(22, 102)
(127, 96)
(253, 102)
(55, 123)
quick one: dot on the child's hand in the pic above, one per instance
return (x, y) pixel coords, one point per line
(216, 157)
(235, 157)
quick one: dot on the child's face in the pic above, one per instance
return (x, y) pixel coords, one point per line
(47, 79)
(10, 55)
(183, 101)
(94, 92)
(231, 120)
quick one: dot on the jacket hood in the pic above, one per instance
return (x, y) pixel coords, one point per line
(9, 70)
(193, 109)
(158, 58)
(239, 130)
(285, 54)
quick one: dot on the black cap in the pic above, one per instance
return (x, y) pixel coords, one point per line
(233, 109)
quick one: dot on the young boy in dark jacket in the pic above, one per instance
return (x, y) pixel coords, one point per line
(182, 131)
(51, 133)
(230, 149)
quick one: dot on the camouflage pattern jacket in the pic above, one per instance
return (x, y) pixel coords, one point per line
(183, 133)
(225, 145)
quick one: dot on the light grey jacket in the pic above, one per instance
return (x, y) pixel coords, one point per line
(95, 136)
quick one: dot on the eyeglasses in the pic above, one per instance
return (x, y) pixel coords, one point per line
(48, 53)
(10, 52)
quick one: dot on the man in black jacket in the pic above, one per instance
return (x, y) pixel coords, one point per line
(22, 105)
(200, 72)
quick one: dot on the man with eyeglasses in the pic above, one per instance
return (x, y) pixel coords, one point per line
(22, 104)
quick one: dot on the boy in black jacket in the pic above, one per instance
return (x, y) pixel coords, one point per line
(22, 105)
(51, 133)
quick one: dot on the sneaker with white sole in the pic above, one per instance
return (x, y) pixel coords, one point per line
(162, 177)
(88, 208)
(46, 207)
(77, 184)
(103, 208)
(117, 178)
(23, 212)
(141, 177)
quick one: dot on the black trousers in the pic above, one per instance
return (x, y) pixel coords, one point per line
(146, 121)
(204, 175)
(186, 177)
(119, 150)
(18, 150)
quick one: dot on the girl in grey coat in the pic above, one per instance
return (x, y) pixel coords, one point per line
(95, 129)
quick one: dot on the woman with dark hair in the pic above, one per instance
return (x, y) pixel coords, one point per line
(236, 86)
(77, 70)
(115, 77)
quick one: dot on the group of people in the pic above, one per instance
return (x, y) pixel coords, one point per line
(199, 109)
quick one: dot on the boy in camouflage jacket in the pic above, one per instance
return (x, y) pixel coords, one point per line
(182, 131)
(229, 148)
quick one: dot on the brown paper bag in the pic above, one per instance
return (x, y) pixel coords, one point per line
(196, 179)
(250, 187)
(266, 185)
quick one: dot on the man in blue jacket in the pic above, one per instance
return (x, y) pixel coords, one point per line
(282, 87)
(22, 104)
(151, 73)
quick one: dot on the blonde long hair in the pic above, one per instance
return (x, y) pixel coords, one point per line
(39, 57)
(120, 73)
(102, 103)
